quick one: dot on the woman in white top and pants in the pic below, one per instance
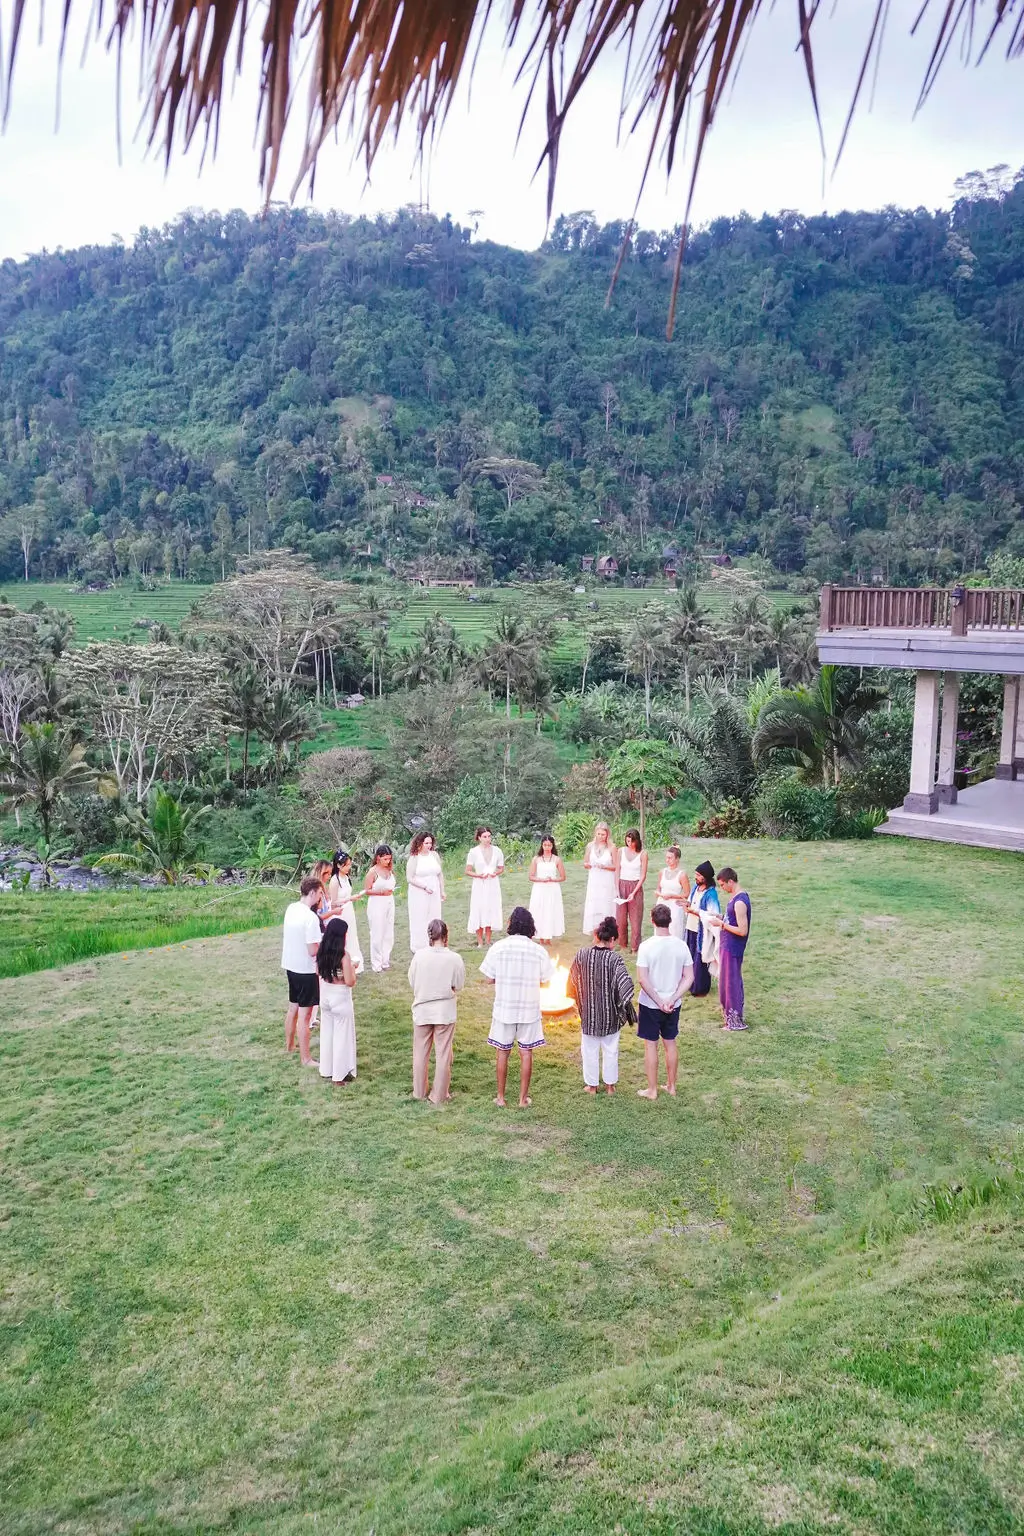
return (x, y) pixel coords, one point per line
(380, 907)
(632, 874)
(673, 890)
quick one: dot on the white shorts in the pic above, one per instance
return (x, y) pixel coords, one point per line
(526, 1036)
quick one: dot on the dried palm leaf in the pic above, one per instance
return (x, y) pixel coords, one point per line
(378, 62)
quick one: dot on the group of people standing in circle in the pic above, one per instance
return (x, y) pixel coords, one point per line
(322, 954)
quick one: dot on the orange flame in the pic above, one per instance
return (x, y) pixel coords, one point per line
(554, 998)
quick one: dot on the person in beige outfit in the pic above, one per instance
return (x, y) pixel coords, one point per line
(437, 974)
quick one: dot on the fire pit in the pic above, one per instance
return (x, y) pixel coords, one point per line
(554, 999)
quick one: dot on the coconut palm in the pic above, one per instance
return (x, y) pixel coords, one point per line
(512, 657)
(166, 839)
(818, 729)
(647, 648)
(44, 764)
(285, 719)
(716, 746)
(687, 632)
(246, 703)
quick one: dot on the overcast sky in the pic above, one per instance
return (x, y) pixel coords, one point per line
(67, 188)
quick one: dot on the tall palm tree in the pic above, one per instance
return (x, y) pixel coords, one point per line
(284, 720)
(748, 630)
(818, 729)
(247, 701)
(687, 632)
(512, 656)
(648, 648)
(44, 764)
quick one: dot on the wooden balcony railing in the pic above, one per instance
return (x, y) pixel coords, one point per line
(963, 608)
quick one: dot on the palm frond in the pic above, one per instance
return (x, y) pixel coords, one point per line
(378, 62)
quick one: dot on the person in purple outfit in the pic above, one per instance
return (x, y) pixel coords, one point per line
(734, 928)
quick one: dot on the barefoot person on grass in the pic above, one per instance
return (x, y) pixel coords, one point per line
(734, 928)
(603, 990)
(437, 975)
(300, 942)
(517, 967)
(665, 970)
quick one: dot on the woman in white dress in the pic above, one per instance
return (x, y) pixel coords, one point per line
(337, 1015)
(484, 865)
(673, 891)
(425, 879)
(601, 860)
(341, 895)
(380, 907)
(547, 875)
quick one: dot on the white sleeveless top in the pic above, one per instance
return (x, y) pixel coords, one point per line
(601, 856)
(547, 869)
(383, 883)
(629, 866)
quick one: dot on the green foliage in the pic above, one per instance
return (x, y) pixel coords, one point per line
(166, 839)
(44, 764)
(384, 393)
(265, 860)
(572, 831)
(787, 807)
(732, 818)
(716, 748)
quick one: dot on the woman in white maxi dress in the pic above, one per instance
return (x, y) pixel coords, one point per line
(341, 898)
(425, 880)
(380, 907)
(547, 873)
(673, 890)
(601, 859)
(484, 865)
(337, 1014)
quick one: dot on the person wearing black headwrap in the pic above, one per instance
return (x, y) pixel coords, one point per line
(703, 898)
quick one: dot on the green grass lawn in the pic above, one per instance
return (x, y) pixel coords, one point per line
(237, 1300)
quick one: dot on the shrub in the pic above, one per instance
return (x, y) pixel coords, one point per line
(731, 819)
(572, 832)
(473, 803)
(585, 788)
(787, 807)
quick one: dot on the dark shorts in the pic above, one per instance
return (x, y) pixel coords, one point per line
(652, 1024)
(303, 989)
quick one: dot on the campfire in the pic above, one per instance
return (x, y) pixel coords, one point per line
(553, 995)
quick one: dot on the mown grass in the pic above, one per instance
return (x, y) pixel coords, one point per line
(41, 929)
(234, 1300)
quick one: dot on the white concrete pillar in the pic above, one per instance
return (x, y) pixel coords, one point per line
(945, 789)
(923, 798)
(1008, 737)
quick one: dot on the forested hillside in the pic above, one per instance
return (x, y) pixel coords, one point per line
(842, 395)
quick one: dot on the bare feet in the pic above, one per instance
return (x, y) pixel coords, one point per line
(647, 1093)
(311, 1063)
(525, 1103)
(669, 1088)
(500, 1102)
(588, 1088)
(608, 1088)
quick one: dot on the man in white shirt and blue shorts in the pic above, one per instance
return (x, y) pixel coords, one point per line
(299, 945)
(664, 968)
(517, 967)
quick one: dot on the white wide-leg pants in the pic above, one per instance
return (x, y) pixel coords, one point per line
(600, 1053)
(337, 1033)
(380, 914)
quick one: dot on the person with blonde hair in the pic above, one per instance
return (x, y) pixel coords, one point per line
(601, 861)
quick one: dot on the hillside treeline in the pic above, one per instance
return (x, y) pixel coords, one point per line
(842, 395)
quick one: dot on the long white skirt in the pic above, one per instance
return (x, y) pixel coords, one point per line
(602, 889)
(352, 949)
(546, 907)
(337, 1031)
(484, 905)
(424, 906)
(380, 914)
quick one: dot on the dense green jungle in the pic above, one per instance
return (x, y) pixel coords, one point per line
(842, 396)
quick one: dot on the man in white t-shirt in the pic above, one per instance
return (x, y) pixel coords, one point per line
(517, 967)
(299, 945)
(664, 967)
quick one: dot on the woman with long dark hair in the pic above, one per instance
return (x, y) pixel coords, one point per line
(379, 886)
(337, 1014)
(547, 875)
(701, 940)
(342, 896)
